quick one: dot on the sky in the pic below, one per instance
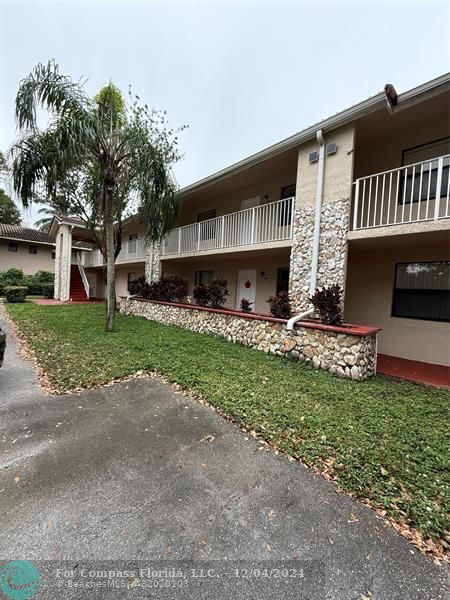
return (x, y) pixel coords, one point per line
(241, 74)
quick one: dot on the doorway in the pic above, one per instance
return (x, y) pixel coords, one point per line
(246, 287)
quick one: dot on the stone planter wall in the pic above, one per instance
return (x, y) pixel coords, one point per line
(348, 351)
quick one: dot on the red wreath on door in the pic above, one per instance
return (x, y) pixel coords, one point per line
(248, 284)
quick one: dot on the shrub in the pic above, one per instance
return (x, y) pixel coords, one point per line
(11, 277)
(201, 295)
(33, 287)
(16, 293)
(246, 305)
(327, 303)
(168, 289)
(139, 287)
(280, 305)
(218, 293)
(43, 278)
(213, 295)
(48, 290)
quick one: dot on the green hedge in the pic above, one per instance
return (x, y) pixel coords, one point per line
(37, 284)
(48, 290)
(16, 293)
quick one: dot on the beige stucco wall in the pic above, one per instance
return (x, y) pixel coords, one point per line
(22, 259)
(338, 169)
(131, 227)
(370, 281)
(226, 199)
(381, 137)
(335, 215)
(121, 278)
(228, 269)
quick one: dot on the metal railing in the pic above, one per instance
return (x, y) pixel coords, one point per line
(409, 194)
(83, 274)
(132, 250)
(270, 222)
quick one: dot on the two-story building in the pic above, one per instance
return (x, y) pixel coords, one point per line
(360, 199)
(27, 249)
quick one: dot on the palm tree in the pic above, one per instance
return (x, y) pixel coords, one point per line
(111, 150)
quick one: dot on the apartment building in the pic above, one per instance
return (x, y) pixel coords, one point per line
(360, 199)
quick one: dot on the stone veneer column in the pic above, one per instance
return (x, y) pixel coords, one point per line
(335, 218)
(152, 262)
(63, 260)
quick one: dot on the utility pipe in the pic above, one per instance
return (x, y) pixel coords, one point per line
(316, 237)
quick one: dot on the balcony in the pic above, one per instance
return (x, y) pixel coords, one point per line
(410, 194)
(268, 223)
(131, 251)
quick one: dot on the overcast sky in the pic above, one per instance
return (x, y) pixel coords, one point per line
(242, 75)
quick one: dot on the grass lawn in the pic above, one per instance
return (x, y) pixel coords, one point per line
(384, 440)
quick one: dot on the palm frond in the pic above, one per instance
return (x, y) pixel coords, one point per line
(45, 86)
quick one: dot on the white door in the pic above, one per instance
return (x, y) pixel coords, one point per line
(92, 280)
(246, 287)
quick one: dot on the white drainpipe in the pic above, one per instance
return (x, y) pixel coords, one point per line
(316, 238)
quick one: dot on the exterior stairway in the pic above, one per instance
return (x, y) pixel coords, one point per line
(77, 291)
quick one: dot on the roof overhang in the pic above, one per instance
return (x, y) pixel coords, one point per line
(31, 242)
(58, 220)
(384, 99)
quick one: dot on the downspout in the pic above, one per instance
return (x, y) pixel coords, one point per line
(316, 237)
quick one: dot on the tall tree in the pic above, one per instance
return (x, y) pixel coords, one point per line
(106, 156)
(9, 213)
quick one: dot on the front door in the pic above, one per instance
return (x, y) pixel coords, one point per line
(246, 287)
(92, 280)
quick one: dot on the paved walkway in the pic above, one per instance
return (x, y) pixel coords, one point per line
(136, 472)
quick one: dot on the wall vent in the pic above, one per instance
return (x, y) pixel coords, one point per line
(331, 148)
(313, 157)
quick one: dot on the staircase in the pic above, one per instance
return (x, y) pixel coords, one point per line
(77, 291)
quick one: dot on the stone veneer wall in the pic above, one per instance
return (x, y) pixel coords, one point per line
(347, 352)
(332, 250)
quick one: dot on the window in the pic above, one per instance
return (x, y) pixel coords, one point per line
(53, 253)
(132, 241)
(419, 182)
(288, 191)
(131, 277)
(12, 247)
(285, 216)
(203, 277)
(283, 279)
(32, 249)
(422, 291)
(207, 230)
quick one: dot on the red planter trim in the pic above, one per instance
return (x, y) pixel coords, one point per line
(347, 328)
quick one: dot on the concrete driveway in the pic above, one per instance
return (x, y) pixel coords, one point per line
(135, 477)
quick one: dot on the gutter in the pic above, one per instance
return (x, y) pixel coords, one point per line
(316, 237)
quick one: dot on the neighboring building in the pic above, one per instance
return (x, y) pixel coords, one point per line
(27, 249)
(370, 185)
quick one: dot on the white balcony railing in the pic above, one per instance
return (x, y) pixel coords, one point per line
(270, 222)
(409, 194)
(131, 251)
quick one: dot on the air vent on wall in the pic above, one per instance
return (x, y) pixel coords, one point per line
(313, 157)
(331, 148)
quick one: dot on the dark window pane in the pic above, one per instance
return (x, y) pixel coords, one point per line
(32, 249)
(203, 277)
(288, 191)
(422, 291)
(12, 246)
(283, 279)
